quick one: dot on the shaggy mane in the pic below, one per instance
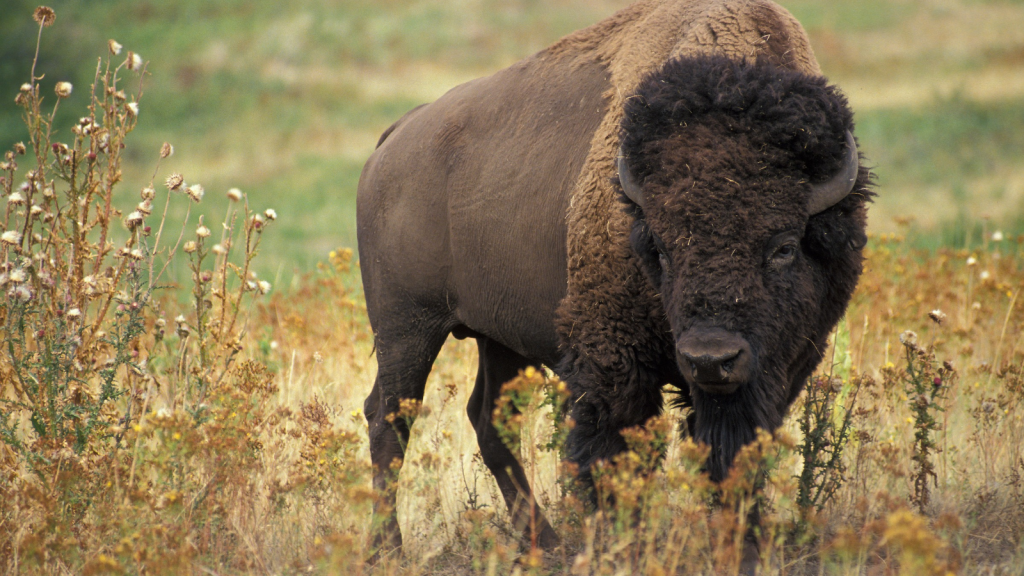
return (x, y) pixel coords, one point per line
(797, 113)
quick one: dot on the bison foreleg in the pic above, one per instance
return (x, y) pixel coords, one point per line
(498, 365)
(602, 405)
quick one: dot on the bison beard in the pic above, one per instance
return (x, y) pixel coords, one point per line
(692, 125)
(728, 424)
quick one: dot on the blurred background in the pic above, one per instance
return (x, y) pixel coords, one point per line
(286, 100)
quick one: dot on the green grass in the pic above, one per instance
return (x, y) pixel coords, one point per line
(287, 100)
(850, 16)
(951, 142)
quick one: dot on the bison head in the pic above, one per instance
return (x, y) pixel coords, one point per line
(749, 206)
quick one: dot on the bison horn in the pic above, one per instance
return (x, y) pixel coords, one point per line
(828, 194)
(629, 185)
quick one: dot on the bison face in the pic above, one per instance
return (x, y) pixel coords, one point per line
(748, 201)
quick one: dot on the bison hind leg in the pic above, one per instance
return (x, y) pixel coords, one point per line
(404, 359)
(498, 365)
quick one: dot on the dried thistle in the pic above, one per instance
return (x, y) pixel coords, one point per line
(174, 181)
(11, 237)
(195, 192)
(134, 61)
(134, 220)
(63, 89)
(44, 16)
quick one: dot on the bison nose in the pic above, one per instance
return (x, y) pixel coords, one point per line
(715, 360)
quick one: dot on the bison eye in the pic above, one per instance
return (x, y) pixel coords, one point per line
(663, 258)
(783, 250)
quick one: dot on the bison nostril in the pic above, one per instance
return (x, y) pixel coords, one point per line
(714, 360)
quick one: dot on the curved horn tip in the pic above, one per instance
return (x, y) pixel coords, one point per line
(629, 186)
(829, 193)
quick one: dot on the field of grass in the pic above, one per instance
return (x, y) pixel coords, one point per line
(286, 100)
(217, 447)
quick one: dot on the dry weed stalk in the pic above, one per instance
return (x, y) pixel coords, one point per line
(95, 450)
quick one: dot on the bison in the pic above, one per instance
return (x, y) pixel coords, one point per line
(671, 199)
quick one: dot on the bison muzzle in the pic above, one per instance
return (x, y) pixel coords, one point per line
(670, 200)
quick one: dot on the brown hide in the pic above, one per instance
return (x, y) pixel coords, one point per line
(635, 42)
(492, 213)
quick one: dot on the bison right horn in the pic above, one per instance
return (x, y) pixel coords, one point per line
(828, 194)
(629, 185)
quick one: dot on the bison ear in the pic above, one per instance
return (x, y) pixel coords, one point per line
(829, 193)
(628, 183)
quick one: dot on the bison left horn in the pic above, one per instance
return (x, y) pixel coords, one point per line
(828, 194)
(629, 186)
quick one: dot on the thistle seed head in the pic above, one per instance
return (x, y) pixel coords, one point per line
(134, 220)
(11, 237)
(44, 16)
(174, 181)
(63, 89)
(20, 293)
(195, 192)
(909, 339)
(134, 61)
(181, 326)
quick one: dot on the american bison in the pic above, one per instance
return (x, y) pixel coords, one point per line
(671, 197)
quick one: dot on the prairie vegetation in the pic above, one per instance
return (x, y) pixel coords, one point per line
(183, 396)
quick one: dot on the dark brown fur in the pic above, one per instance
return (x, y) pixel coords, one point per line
(726, 152)
(493, 213)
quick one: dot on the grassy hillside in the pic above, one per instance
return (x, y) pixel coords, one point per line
(286, 100)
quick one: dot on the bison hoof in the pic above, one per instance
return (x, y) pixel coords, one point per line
(751, 559)
(548, 540)
(385, 544)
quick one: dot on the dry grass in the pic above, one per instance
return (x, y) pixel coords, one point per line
(232, 441)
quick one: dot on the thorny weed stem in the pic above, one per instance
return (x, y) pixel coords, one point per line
(1002, 336)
